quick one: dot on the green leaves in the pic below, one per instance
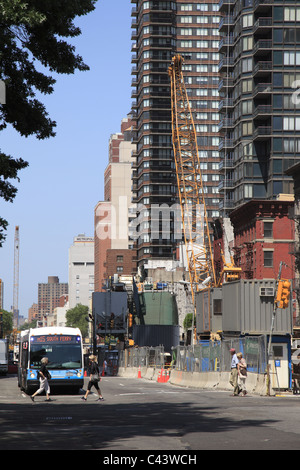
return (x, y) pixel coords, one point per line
(31, 36)
(76, 318)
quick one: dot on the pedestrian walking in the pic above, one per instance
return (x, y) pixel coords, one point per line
(242, 373)
(44, 376)
(94, 378)
(234, 372)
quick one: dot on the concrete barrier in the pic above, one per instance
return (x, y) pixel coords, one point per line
(224, 381)
(175, 377)
(149, 373)
(255, 383)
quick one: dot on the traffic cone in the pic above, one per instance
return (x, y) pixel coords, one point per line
(159, 377)
(139, 373)
(85, 374)
(167, 376)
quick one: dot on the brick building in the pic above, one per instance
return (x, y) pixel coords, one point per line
(263, 236)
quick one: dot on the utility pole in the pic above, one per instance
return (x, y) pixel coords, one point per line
(16, 279)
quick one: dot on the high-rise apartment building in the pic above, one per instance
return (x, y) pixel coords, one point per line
(260, 70)
(49, 294)
(160, 30)
(81, 270)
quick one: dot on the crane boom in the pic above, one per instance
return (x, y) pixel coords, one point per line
(16, 279)
(189, 181)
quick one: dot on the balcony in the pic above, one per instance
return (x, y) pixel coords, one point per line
(225, 43)
(226, 184)
(226, 103)
(262, 89)
(226, 163)
(226, 23)
(262, 47)
(226, 63)
(226, 83)
(262, 112)
(225, 4)
(262, 25)
(227, 204)
(226, 123)
(262, 68)
(262, 133)
(226, 143)
(262, 5)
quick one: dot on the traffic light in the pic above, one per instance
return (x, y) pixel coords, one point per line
(283, 293)
(130, 320)
(112, 324)
(286, 291)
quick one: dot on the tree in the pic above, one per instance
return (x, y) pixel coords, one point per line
(188, 321)
(31, 33)
(7, 323)
(28, 325)
(76, 317)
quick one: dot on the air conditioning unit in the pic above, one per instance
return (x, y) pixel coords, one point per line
(266, 292)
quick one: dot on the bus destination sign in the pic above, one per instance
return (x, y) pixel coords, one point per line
(55, 339)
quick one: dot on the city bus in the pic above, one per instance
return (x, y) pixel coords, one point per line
(63, 348)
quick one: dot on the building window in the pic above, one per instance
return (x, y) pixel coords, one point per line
(119, 269)
(268, 259)
(217, 307)
(268, 229)
(120, 259)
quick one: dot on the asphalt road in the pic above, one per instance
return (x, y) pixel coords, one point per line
(138, 414)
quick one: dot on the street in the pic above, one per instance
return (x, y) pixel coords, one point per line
(139, 414)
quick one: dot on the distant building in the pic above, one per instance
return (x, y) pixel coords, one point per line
(58, 317)
(49, 296)
(112, 215)
(81, 270)
(33, 313)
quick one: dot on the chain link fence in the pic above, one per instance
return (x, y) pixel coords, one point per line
(143, 357)
(214, 356)
(210, 356)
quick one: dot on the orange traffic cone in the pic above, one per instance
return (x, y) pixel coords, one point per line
(85, 374)
(167, 376)
(159, 377)
(139, 373)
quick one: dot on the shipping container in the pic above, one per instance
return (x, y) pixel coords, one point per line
(243, 307)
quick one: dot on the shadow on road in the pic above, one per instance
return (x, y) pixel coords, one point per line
(85, 426)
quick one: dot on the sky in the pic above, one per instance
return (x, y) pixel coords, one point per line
(59, 190)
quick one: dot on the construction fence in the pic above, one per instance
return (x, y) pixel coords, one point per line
(207, 356)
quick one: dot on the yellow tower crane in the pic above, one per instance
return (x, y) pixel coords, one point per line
(191, 192)
(190, 187)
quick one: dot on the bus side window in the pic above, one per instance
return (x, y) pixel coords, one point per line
(24, 358)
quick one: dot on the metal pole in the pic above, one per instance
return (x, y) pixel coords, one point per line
(272, 329)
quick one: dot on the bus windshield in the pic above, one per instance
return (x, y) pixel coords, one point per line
(62, 354)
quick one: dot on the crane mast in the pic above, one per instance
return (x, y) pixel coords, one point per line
(16, 279)
(189, 181)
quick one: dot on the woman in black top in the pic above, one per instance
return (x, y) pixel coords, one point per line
(94, 378)
(44, 376)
